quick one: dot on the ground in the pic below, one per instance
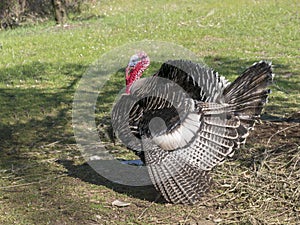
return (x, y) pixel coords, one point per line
(45, 179)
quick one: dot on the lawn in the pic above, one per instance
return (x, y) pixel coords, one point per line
(45, 179)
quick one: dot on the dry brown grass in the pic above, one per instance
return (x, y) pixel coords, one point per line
(260, 185)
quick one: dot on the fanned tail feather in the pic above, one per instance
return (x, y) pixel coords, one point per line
(249, 91)
(248, 94)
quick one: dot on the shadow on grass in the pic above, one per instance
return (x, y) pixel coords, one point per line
(87, 174)
(32, 115)
(32, 119)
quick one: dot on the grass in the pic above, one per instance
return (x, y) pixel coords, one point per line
(45, 179)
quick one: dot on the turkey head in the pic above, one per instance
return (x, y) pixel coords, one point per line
(138, 63)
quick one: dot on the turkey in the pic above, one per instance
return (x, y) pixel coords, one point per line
(186, 119)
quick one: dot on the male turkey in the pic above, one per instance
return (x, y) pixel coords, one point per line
(186, 119)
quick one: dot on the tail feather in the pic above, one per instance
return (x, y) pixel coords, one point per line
(248, 94)
(252, 83)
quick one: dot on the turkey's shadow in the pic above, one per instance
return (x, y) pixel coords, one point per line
(87, 174)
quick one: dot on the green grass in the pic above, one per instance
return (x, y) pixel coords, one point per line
(42, 169)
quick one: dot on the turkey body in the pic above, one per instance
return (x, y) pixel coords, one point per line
(186, 119)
